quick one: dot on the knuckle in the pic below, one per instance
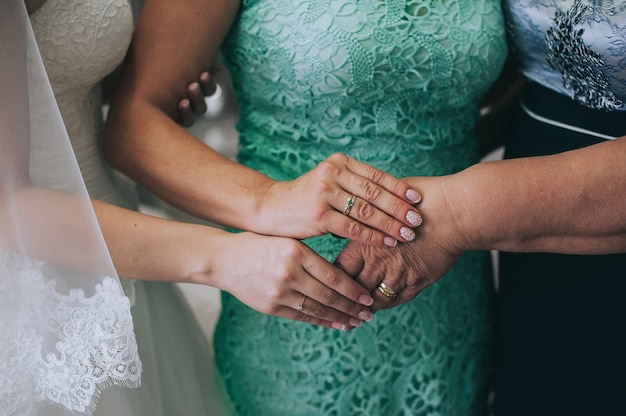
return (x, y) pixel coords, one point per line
(354, 229)
(305, 318)
(277, 292)
(292, 252)
(330, 298)
(372, 191)
(283, 278)
(319, 311)
(338, 158)
(332, 278)
(375, 174)
(273, 309)
(366, 211)
(390, 224)
(327, 168)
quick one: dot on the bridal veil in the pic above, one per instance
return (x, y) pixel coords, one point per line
(66, 332)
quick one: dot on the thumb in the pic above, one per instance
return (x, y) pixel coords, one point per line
(350, 259)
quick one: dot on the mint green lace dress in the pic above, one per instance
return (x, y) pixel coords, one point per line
(395, 84)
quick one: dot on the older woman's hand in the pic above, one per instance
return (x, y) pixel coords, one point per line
(397, 275)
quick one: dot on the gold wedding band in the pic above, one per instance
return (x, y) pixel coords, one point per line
(301, 305)
(386, 290)
(348, 206)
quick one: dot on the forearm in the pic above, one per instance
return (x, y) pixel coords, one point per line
(574, 202)
(171, 45)
(181, 169)
(150, 248)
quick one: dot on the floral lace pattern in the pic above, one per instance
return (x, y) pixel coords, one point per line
(580, 51)
(66, 347)
(397, 84)
(81, 42)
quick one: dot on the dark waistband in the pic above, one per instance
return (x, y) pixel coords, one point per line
(547, 104)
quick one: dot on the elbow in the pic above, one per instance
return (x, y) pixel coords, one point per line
(113, 148)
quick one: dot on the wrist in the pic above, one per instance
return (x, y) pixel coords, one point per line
(444, 213)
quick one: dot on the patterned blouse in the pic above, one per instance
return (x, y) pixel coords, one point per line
(574, 47)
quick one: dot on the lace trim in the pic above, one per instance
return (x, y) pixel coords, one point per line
(61, 348)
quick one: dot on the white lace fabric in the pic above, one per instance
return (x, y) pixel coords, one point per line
(94, 341)
(66, 332)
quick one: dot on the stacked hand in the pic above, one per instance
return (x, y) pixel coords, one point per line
(395, 276)
(346, 198)
(283, 277)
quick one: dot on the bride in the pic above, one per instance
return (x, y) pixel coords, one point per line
(67, 344)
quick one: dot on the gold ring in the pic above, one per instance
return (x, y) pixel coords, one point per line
(301, 305)
(386, 290)
(348, 206)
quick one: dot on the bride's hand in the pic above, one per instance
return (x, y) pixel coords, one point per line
(346, 198)
(283, 277)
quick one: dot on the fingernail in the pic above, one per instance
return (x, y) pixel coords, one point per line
(413, 195)
(366, 300)
(355, 322)
(366, 315)
(338, 326)
(407, 233)
(390, 241)
(413, 218)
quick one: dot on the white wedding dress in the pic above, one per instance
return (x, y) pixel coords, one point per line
(81, 42)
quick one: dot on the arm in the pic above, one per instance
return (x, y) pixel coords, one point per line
(143, 141)
(573, 202)
(270, 274)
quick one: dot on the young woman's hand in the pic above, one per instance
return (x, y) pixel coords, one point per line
(346, 198)
(283, 277)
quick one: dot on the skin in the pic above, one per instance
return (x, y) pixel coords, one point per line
(270, 274)
(143, 141)
(571, 203)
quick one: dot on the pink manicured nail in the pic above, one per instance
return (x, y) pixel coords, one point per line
(390, 241)
(355, 322)
(366, 315)
(413, 218)
(338, 326)
(366, 300)
(413, 195)
(407, 233)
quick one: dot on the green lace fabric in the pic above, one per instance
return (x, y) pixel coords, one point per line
(395, 84)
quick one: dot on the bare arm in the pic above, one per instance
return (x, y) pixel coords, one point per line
(172, 43)
(573, 202)
(270, 274)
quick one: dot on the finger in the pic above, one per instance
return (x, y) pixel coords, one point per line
(390, 183)
(195, 94)
(289, 313)
(185, 113)
(336, 280)
(350, 260)
(364, 223)
(207, 83)
(376, 202)
(309, 306)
